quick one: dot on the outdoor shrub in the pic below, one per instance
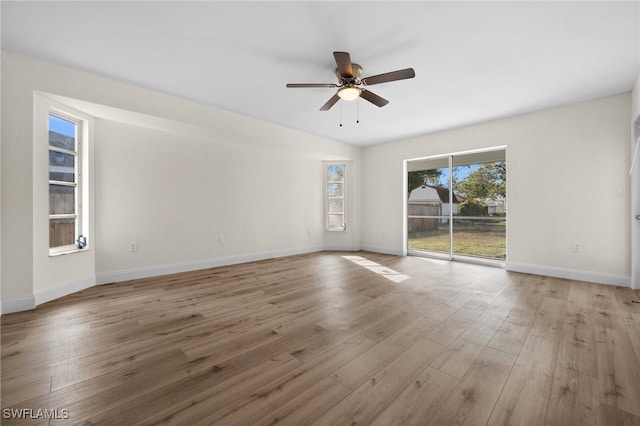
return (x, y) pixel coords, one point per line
(472, 208)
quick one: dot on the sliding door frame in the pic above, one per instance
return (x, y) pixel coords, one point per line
(405, 225)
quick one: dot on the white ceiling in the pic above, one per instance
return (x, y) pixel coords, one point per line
(474, 61)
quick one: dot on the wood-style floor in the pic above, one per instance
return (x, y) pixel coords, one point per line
(330, 339)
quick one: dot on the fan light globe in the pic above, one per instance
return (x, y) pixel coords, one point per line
(349, 93)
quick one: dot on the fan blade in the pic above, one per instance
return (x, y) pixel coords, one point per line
(331, 102)
(389, 76)
(300, 85)
(373, 98)
(343, 60)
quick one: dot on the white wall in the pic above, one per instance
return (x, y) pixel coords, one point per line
(575, 157)
(258, 184)
(635, 96)
(176, 195)
(17, 188)
(635, 188)
(0, 165)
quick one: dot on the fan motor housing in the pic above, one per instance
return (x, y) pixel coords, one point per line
(357, 75)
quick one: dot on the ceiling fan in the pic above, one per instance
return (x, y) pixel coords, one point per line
(352, 85)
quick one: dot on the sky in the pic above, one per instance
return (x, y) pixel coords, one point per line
(461, 172)
(60, 125)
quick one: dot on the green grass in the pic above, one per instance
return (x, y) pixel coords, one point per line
(484, 239)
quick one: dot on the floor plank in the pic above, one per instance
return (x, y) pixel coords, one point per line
(472, 400)
(365, 403)
(524, 398)
(419, 401)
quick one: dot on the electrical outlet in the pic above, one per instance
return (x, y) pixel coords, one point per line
(133, 246)
(220, 239)
(577, 247)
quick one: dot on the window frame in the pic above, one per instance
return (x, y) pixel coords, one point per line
(81, 125)
(343, 182)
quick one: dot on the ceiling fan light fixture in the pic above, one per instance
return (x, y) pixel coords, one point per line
(349, 92)
(351, 84)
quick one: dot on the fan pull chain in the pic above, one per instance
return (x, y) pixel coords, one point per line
(340, 114)
(358, 111)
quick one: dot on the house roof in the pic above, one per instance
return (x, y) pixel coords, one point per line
(444, 194)
(430, 193)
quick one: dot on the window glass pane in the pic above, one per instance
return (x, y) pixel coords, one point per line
(334, 190)
(62, 133)
(335, 200)
(62, 166)
(438, 179)
(480, 237)
(336, 205)
(335, 221)
(480, 187)
(61, 232)
(62, 199)
(428, 205)
(335, 173)
(429, 234)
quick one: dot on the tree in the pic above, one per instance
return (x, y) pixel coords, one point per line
(471, 207)
(488, 181)
(421, 177)
(455, 178)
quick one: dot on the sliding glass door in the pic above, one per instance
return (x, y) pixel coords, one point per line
(456, 206)
(428, 214)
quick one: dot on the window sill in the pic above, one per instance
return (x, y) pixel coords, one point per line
(71, 251)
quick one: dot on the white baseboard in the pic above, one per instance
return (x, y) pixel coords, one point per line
(571, 274)
(153, 271)
(383, 250)
(64, 290)
(341, 248)
(10, 305)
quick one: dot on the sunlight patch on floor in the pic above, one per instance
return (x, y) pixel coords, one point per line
(436, 261)
(388, 273)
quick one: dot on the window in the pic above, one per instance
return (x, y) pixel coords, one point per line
(456, 206)
(335, 204)
(65, 183)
